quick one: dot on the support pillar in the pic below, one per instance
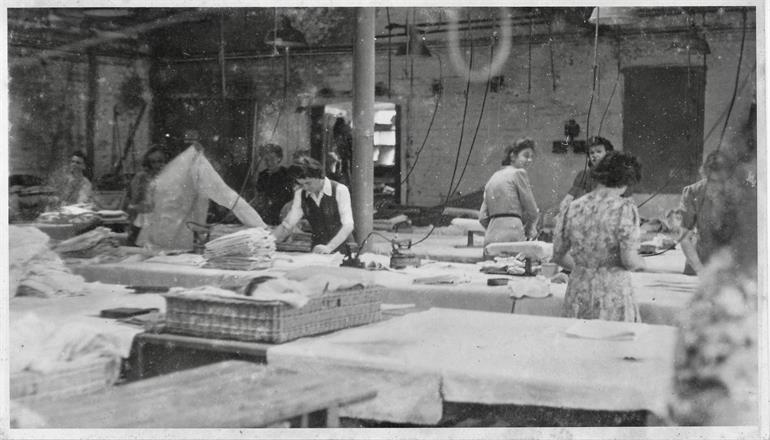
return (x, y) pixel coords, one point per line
(362, 173)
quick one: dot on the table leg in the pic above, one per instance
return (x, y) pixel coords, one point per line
(140, 360)
(304, 420)
(333, 417)
(513, 306)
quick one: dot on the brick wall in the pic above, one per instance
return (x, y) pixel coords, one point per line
(526, 106)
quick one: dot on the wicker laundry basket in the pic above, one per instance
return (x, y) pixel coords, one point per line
(274, 321)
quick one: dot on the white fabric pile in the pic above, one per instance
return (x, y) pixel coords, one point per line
(293, 293)
(538, 250)
(35, 270)
(249, 249)
(82, 213)
(271, 289)
(504, 265)
(37, 345)
(100, 241)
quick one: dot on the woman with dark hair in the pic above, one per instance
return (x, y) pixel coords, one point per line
(274, 185)
(139, 193)
(324, 203)
(508, 211)
(77, 188)
(598, 147)
(597, 238)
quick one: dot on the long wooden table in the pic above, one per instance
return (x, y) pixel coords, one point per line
(231, 394)
(498, 359)
(661, 296)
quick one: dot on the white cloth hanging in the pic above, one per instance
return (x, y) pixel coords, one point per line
(182, 194)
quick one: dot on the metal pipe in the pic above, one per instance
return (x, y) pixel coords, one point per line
(537, 39)
(93, 97)
(362, 176)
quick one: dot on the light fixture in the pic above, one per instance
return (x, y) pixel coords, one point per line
(611, 16)
(286, 36)
(692, 41)
(416, 43)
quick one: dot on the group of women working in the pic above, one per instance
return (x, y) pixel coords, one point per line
(284, 197)
(597, 233)
(596, 238)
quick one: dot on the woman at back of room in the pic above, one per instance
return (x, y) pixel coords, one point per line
(509, 212)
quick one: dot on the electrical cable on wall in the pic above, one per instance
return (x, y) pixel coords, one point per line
(743, 85)
(430, 124)
(737, 77)
(462, 126)
(593, 93)
(594, 75)
(459, 145)
(478, 122)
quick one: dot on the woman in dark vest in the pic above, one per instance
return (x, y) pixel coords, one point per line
(324, 203)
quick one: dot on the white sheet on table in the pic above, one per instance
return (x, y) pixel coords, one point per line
(496, 358)
(61, 311)
(194, 260)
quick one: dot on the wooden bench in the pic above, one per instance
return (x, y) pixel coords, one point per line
(231, 394)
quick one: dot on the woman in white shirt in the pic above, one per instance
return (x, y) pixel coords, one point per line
(324, 203)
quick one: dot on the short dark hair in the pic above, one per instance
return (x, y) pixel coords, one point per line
(273, 148)
(306, 168)
(517, 147)
(617, 169)
(152, 150)
(598, 140)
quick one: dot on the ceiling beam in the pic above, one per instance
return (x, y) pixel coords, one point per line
(77, 46)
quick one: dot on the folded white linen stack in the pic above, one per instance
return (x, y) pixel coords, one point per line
(604, 330)
(289, 292)
(249, 249)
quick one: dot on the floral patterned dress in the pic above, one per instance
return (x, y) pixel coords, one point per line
(595, 229)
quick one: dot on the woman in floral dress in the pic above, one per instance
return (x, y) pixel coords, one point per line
(597, 237)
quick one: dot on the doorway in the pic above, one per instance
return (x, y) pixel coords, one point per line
(663, 112)
(331, 132)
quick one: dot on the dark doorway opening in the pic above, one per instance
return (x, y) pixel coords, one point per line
(663, 112)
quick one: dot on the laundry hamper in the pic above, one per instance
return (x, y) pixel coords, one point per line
(274, 321)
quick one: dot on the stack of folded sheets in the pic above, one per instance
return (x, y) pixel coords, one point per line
(249, 249)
